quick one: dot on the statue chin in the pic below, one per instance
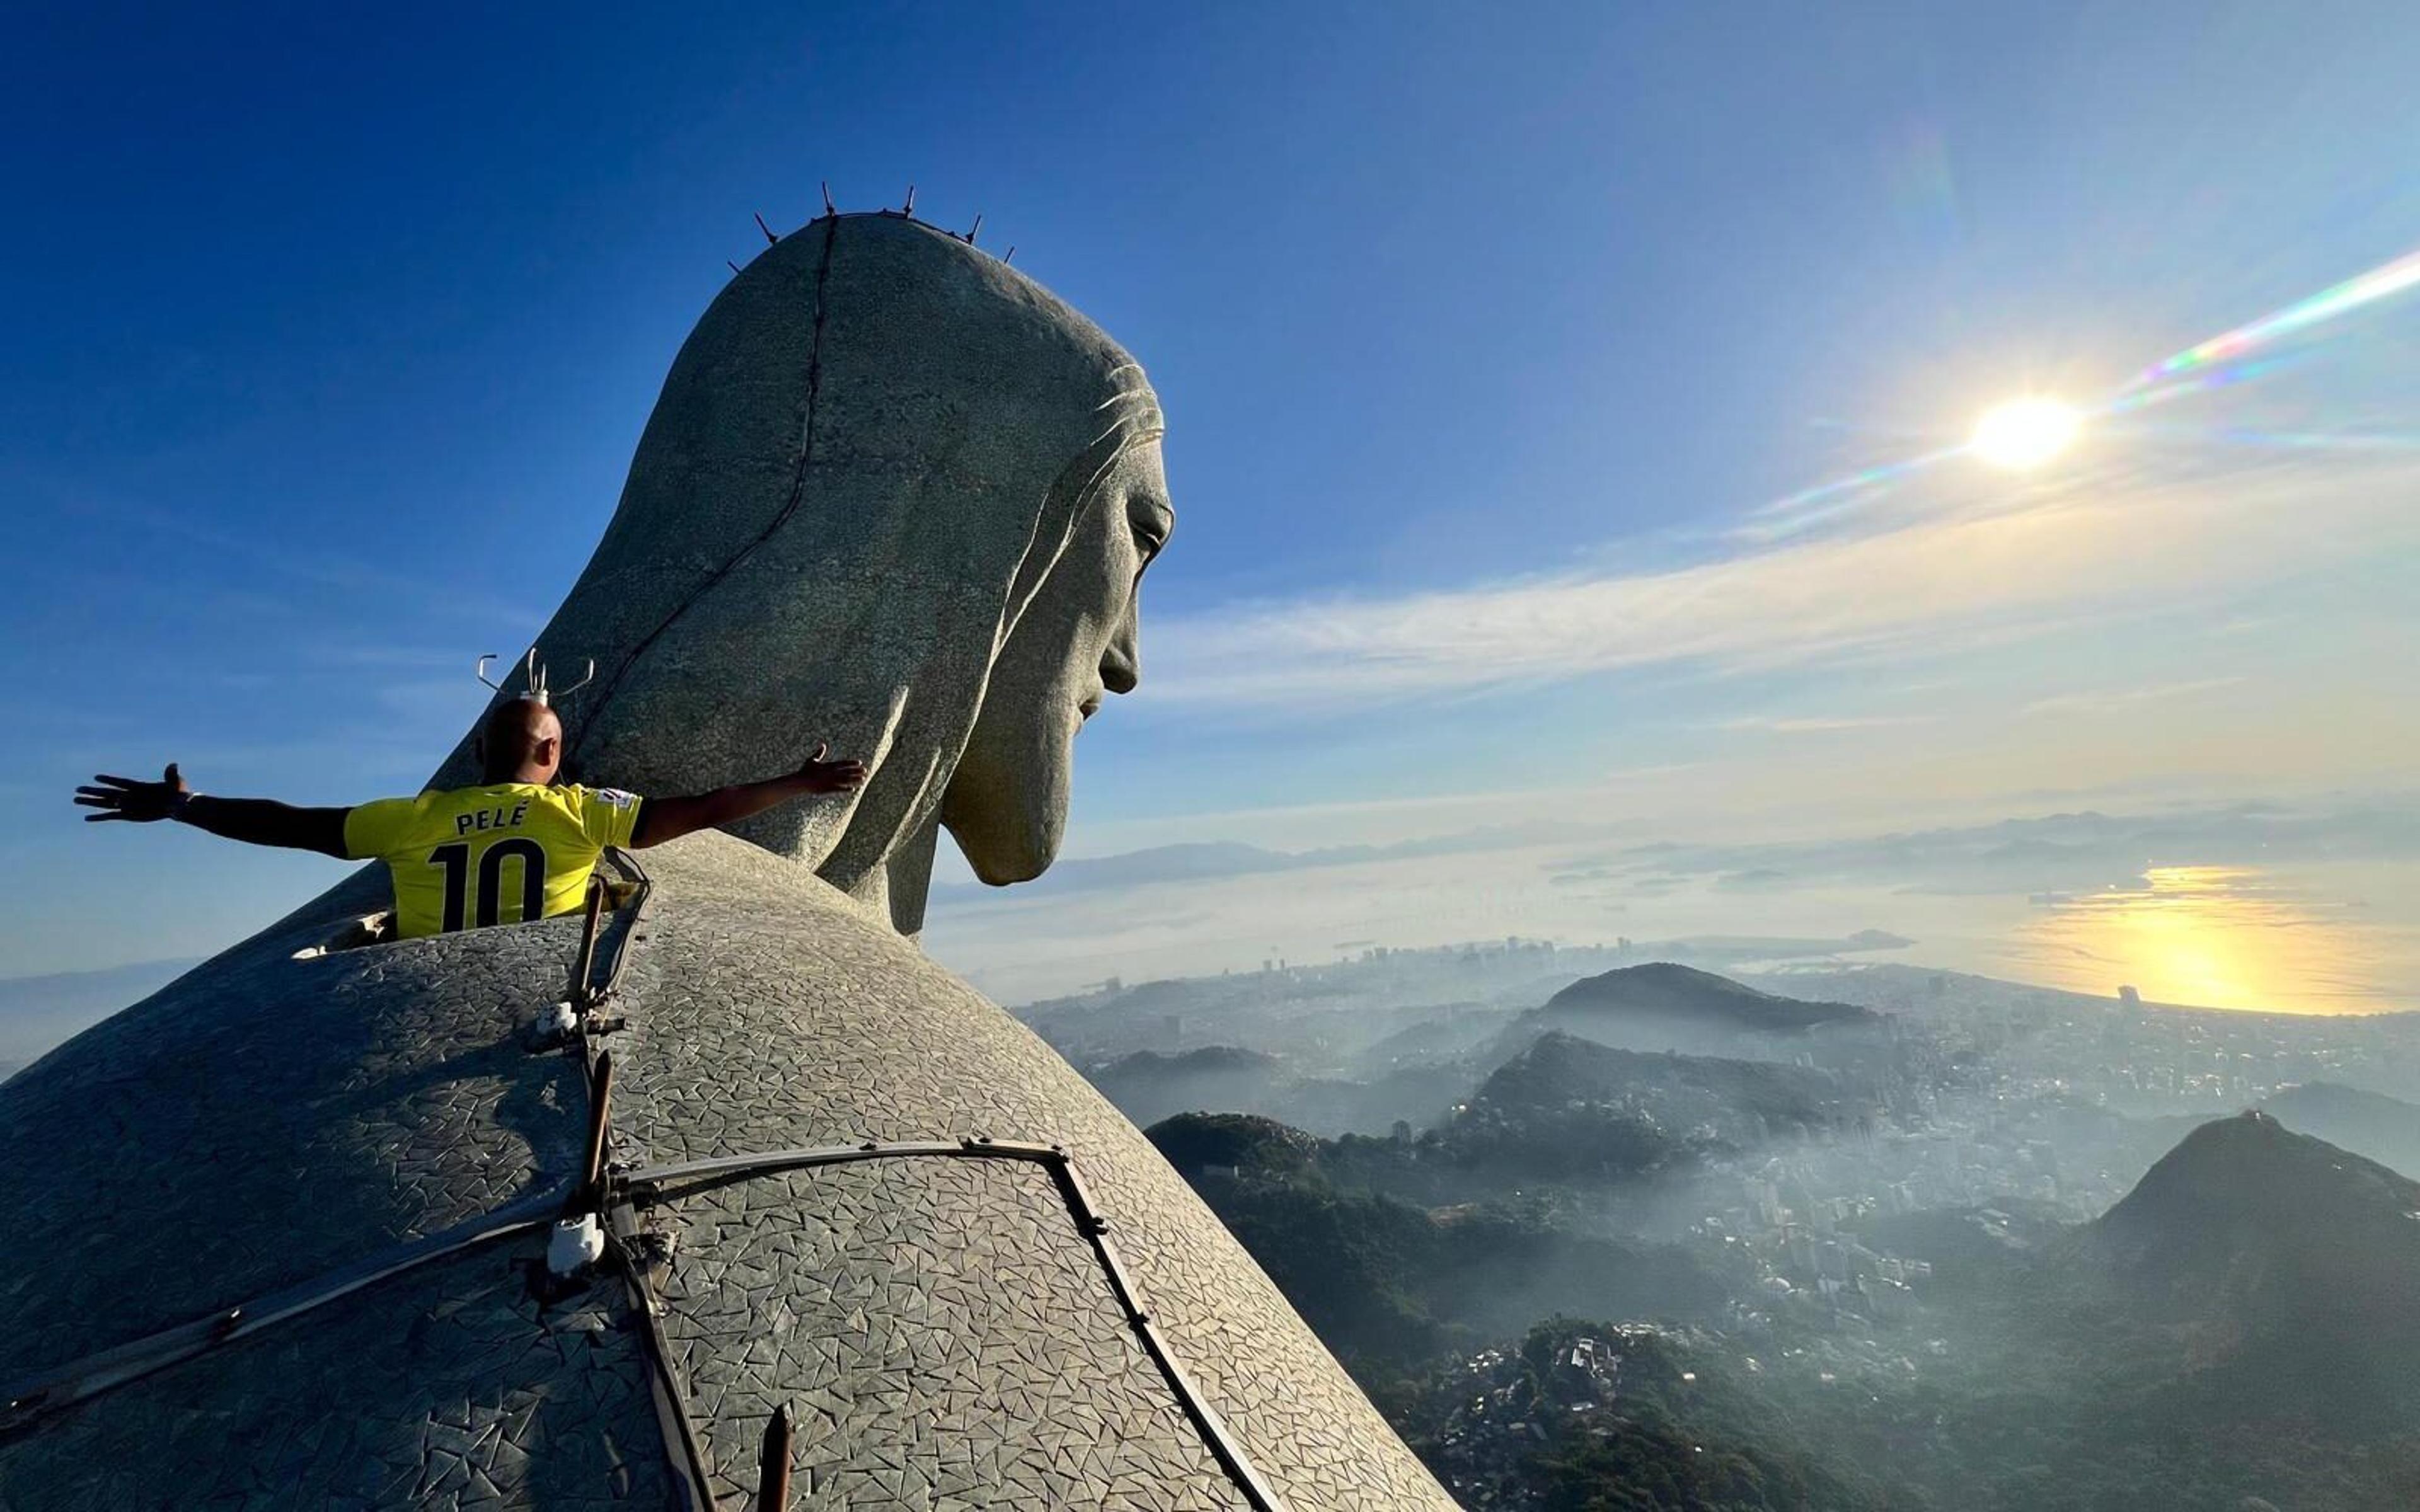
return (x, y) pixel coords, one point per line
(1009, 816)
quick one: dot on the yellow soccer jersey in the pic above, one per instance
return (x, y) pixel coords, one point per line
(499, 854)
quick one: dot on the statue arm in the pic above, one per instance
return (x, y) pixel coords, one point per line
(663, 819)
(253, 820)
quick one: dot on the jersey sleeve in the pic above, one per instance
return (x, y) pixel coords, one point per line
(609, 816)
(372, 830)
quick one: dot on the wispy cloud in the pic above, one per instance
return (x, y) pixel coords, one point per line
(314, 565)
(1813, 724)
(2110, 699)
(1958, 889)
(1918, 587)
(2072, 850)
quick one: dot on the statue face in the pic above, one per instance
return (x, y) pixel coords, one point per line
(1006, 804)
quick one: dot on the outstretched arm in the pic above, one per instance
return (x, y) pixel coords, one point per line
(663, 819)
(254, 821)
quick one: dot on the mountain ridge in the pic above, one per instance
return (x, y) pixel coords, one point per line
(1665, 989)
(2247, 1230)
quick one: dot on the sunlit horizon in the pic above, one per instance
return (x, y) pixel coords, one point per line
(2207, 936)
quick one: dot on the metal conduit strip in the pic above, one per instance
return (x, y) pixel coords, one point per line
(626, 1191)
(30, 1399)
(693, 1473)
(24, 1401)
(632, 892)
(646, 1187)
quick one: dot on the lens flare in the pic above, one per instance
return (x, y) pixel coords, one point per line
(2364, 288)
(2024, 432)
(2028, 433)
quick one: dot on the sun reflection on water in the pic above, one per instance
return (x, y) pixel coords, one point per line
(2205, 936)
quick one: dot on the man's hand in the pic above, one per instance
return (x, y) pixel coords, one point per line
(663, 819)
(253, 820)
(122, 798)
(820, 776)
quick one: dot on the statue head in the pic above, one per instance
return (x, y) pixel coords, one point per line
(1076, 644)
(896, 497)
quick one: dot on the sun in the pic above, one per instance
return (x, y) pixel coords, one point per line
(2024, 432)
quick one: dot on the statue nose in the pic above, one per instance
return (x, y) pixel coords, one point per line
(1121, 663)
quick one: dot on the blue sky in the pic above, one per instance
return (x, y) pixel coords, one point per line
(1484, 333)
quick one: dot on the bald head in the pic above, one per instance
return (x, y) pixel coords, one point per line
(522, 741)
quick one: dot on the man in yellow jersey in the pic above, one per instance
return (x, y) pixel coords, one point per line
(516, 847)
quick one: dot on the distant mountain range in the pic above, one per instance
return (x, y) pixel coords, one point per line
(2236, 1332)
(2255, 1231)
(1662, 990)
(2369, 1124)
(1736, 1103)
(37, 1013)
(2239, 1326)
(1664, 1006)
(1390, 1282)
(1551, 1097)
(1149, 1085)
(1563, 1110)
(2385, 1129)
(1202, 861)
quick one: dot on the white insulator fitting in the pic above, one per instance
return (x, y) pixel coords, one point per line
(576, 1245)
(557, 1022)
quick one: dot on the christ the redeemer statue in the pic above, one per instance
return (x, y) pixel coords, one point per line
(895, 498)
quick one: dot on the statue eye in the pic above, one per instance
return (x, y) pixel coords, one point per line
(1151, 522)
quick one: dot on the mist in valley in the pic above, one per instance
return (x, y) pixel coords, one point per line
(1755, 1223)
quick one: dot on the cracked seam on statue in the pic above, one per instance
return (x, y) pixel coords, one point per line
(590, 717)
